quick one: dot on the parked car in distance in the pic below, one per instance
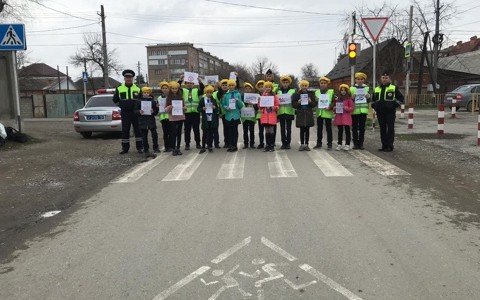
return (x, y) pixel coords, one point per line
(463, 96)
(100, 114)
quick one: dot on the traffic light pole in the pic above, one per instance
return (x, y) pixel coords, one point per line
(352, 67)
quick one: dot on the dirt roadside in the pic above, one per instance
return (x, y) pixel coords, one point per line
(56, 171)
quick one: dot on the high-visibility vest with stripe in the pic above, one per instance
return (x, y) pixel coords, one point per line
(389, 93)
(360, 108)
(326, 114)
(221, 112)
(191, 99)
(128, 93)
(286, 109)
(164, 115)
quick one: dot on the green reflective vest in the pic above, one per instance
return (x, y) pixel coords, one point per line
(360, 108)
(326, 114)
(389, 93)
(286, 109)
(164, 115)
(191, 99)
(221, 112)
(127, 93)
(275, 87)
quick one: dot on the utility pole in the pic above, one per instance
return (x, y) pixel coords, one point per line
(104, 49)
(84, 83)
(437, 39)
(409, 59)
(354, 28)
(138, 74)
(422, 62)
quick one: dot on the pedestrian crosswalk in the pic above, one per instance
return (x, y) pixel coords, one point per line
(232, 165)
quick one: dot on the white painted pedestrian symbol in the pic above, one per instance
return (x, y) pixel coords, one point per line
(11, 37)
(253, 280)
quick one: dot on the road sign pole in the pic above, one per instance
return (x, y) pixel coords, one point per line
(374, 65)
(84, 93)
(15, 90)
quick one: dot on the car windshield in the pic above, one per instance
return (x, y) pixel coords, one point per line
(463, 88)
(105, 101)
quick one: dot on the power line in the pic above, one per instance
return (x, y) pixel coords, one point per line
(276, 9)
(64, 28)
(62, 12)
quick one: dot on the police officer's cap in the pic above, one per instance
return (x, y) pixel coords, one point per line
(127, 72)
(269, 72)
(385, 73)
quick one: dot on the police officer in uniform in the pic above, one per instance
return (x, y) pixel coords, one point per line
(126, 96)
(386, 99)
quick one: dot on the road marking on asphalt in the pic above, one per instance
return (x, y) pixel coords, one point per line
(171, 290)
(232, 250)
(233, 166)
(380, 166)
(185, 169)
(281, 166)
(329, 166)
(49, 214)
(277, 249)
(225, 277)
(330, 282)
(138, 171)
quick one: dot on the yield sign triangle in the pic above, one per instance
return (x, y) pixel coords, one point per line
(11, 38)
(375, 26)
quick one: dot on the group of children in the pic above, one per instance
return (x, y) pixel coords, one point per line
(205, 106)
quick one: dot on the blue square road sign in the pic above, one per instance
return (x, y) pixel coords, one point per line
(12, 37)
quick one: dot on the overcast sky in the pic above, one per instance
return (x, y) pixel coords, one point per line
(299, 38)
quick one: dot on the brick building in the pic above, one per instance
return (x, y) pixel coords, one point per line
(169, 61)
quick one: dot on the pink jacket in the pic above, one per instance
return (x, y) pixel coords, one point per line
(344, 119)
(270, 118)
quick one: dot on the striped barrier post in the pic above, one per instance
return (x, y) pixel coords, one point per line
(441, 119)
(410, 116)
(373, 120)
(478, 128)
(402, 111)
(454, 109)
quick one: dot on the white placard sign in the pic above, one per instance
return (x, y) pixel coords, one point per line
(247, 112)
(323, 101)
(161, 104)
(177, 108)
(232, 104)
(251, 98)
(285, 99)
(360, 96)
(233, 76)
(208, 107)
(190, 77)
(339, 108)
(211, 80)
(146, 108)
(267, 101)
(304, 99)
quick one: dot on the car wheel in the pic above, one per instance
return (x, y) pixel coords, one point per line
(86, 134)
(469, 106)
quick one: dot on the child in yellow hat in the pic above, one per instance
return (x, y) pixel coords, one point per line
(261, 129)
(163, 115)
(249, 121)
(324, 97)
(146, 120)
(191, 97)
(209, 110)
(176, 118)
(343, 107)
(286, 113)
(218, 96)
(269, 116)
(361, 94)
(232, 104)
(304, 102)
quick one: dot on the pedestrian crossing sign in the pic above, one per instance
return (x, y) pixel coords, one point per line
(12, 37)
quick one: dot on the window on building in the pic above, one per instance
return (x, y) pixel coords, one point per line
(177, 52)
(158, 72)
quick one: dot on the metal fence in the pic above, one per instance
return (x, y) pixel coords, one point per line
(50, 105)
(425, 99)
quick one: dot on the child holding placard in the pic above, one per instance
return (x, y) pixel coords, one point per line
(248, 117)
(176, 114)
(286, 113)
(209, 110)
(146, 110)
(361, 94)
(232, 104)
(304, 102)
(343, 107)
(163, 115)
(218, 96)
(268, 106)
(324, 97)
(261, 129)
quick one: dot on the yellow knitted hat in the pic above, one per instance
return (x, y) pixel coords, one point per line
(268, 84)
(260, 82)
(209, 89)
(247, 84)
(163, 83)
(361, 75)
(304, 84)
(286, 77)
(146, 90)
(324, 78)
(231, 82)
(174, 84)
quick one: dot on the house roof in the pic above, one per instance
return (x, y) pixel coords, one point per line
(41, 83)
(342, 68)
(96, 83)
(463, 47)
(465, 63)
(39, 70)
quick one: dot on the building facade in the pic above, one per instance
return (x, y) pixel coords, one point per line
(169, 61)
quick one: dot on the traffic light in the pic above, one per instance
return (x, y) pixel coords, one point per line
(352, 53)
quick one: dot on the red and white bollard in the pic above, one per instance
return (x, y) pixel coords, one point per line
(402, 111)
(441, 119)
(410, 116)
(454, 109)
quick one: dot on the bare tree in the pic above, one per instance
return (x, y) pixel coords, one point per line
(15, 10)
(309, 71)
(91, 52)
(23, 59)
(243, 72)
(261, 65)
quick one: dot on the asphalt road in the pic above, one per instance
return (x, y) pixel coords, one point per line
(254, 225)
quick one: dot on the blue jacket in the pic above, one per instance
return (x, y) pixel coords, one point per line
(232, 114)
